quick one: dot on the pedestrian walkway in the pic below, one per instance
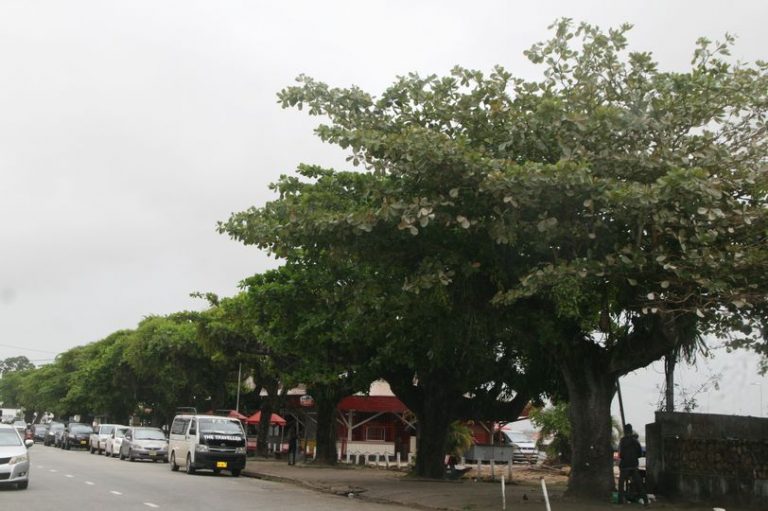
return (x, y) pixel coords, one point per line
(397, 487)
(468, 494)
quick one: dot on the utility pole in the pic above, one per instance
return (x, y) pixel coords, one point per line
(237, 404)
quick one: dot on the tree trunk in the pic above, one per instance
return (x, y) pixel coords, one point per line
(262, 440)
(326, 427)
(434, 417)
(590, 393)
(670, 360)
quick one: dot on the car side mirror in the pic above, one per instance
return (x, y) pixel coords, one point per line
(29, 443)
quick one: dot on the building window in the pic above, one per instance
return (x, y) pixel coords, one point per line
(374, 433)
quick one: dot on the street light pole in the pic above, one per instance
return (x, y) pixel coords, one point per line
(237, 404)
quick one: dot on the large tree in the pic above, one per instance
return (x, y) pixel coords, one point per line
(619, 207)
(314, 319)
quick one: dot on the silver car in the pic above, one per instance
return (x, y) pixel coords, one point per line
(14, 459)
(144, 443)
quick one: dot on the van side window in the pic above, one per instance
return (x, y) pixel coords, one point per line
(193, 428)
(179, 426)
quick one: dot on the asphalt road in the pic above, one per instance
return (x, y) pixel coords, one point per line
(77, 480)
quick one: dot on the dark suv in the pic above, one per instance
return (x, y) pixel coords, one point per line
(77, 434)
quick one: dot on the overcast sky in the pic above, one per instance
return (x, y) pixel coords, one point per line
(128, 129)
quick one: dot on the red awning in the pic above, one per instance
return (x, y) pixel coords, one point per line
(275, 419)
(228, 413)
(372, 404)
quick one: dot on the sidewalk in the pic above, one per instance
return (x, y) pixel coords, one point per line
(396, 487)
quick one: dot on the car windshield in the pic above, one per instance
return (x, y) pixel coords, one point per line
(19, 424)
(9, 437)
(221, 426)
(106, 430)
(55, 427)
(148, 434)
(518, 438)
(120, 432)
(80, 429)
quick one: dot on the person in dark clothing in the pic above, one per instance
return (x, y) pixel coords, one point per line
(293, 446)
(630, 452)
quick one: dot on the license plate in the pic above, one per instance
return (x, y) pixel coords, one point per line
(82, 442)
(152, 453)
(221, 464)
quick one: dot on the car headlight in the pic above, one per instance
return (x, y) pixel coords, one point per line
(239, 450)
(18, 459)
(201, 448)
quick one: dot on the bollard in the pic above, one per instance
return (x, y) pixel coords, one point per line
(503, 495)
(357, 459)
(314, 453)
(349, 457)
(397, 459)
(509, 470)
(546, 495)
(378, 459)
(493, 470)
(386, 461)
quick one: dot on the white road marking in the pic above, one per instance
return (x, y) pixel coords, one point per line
(69, 475)
(52, 470)
(113, 492)
(90, 483)
(150, 504)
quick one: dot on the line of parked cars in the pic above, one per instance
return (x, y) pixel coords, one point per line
(113, 440)
(196, 442)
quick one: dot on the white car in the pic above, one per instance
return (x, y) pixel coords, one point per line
(525, 450)
(98, 439)
(14, 458)
(114, 441)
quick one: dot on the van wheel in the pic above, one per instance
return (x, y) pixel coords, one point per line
(174, 466)
(22, 485)
(122, 457)
(189, 468)
(92, 450)
(236, 472)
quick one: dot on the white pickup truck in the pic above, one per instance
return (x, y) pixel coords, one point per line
(98, 440)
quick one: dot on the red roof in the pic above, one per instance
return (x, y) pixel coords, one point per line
(372, 404)
(230, 413)
(274, 419)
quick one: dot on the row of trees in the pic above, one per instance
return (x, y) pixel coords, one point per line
(505, 241)
(146, 372)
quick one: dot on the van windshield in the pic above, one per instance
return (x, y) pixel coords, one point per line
(221, 426)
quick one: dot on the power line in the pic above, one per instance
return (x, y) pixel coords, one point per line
(27, 349)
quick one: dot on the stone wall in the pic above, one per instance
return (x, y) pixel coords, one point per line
(722, 459)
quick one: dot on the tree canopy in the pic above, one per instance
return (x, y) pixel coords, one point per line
(614, 209)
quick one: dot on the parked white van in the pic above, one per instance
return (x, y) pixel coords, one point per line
(207, 442)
